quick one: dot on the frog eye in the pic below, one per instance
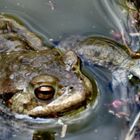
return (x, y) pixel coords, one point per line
(44, 92)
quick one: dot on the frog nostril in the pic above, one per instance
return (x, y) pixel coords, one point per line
(44, 92)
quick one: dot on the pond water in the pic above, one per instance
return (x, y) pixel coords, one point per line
(55, 20)
(58, 19)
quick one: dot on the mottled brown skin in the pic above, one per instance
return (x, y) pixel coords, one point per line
(28, 66)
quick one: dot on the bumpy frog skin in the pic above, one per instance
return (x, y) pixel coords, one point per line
(104, 52)
(41, 81)
(35, 79)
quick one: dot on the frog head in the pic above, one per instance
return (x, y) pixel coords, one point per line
(46, 84)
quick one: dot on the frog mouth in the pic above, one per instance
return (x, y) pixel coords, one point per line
(60, 106)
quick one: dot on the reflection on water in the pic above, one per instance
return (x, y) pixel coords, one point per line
(57, 19)
(67, 17)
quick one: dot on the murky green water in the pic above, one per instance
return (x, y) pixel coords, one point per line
(55, 20)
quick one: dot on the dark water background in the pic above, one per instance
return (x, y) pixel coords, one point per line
(55, 20)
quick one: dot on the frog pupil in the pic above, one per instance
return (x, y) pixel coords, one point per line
(44, 92)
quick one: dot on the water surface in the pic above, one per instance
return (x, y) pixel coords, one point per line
(55, 20)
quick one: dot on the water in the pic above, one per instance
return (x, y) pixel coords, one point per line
(55, 20)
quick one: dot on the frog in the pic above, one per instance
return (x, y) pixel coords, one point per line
(37, 79)
(43, 80)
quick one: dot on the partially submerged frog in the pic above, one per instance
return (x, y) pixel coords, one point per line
(38, 80)
(42, 81)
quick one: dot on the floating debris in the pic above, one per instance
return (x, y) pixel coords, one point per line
(133, 131)
(64, 128)
(134, 34)
(51, 4)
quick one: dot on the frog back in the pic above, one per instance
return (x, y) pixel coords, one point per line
(15, 36)
(98, 50)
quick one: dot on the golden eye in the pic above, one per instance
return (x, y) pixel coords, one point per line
(44, 92)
